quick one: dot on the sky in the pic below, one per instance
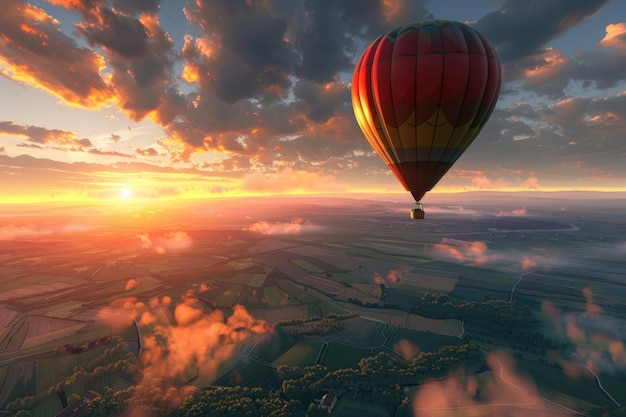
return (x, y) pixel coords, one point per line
(110, 100)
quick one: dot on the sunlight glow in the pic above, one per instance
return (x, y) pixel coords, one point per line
(126, 193)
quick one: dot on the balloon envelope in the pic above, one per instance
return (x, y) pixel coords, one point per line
(421, 93)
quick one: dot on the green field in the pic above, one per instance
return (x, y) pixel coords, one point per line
(272, 347)
(307, 266)
(252, 280)
(230, 296)
(422, 341)
(302, 353)
(347, 407)
(276, 297)
(323, 308)
(339, 356)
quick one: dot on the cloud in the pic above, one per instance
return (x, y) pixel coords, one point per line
(481, 182)
(295, 226)
(182, 339)
(33, 49)
(528, 264)
(23, 232)
(532, 183)
(515, 212)
(393, 277)
(474, 252)
(42, 135)
(131, 284)
(503, 389)
(194, 340)
(30, 231)
(585, 331)
(263, 90)
(172, 241)
(615, 38)
(519, 30)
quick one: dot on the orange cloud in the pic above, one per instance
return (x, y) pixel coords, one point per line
(504, 388)
(293, 227)
(592, 309)
(41, 55)
(173, 241)
(481, 182)
(514, 212)
(532, 183)
(528, 264)
(42, 135)
(475, 252)
(193, 341)
(407, 349)
(393, 277)
(615, 37)
(552, 65)
(132, 284)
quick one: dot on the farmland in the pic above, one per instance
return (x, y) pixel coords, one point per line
(213, 279)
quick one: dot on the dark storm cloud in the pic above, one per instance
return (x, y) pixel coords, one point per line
(321, 101)
(268, 74)
(602, 69)
(245, 54)
(251, 49)
(130, 7)
(591, 119)
(324, 46)
(115, 32)
(138, 50)
(574, 138)
(327, 35)
(522, 28)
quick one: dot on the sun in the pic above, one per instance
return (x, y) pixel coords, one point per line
(126, 193)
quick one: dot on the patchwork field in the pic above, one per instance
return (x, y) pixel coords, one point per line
(223, 282)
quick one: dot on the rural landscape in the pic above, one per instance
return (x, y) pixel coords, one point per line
(315, 305)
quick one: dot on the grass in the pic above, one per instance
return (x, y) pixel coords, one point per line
(249, 373)
(616, 387)
(422, 341)
(276, 297)
(360, 332)
(230, 296)
(307, 266)
(554, 380)
(240, 265)
(303, 353)
(339, 356)
(272, 347)
(327, 308)
(246, 278)
(343, 277)
(296, 291)
(50, 371)
(348, 407)
(16, 335)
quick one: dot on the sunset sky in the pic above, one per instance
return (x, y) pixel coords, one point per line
(148, 99)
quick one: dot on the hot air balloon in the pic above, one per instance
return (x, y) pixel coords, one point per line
(421, 93)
